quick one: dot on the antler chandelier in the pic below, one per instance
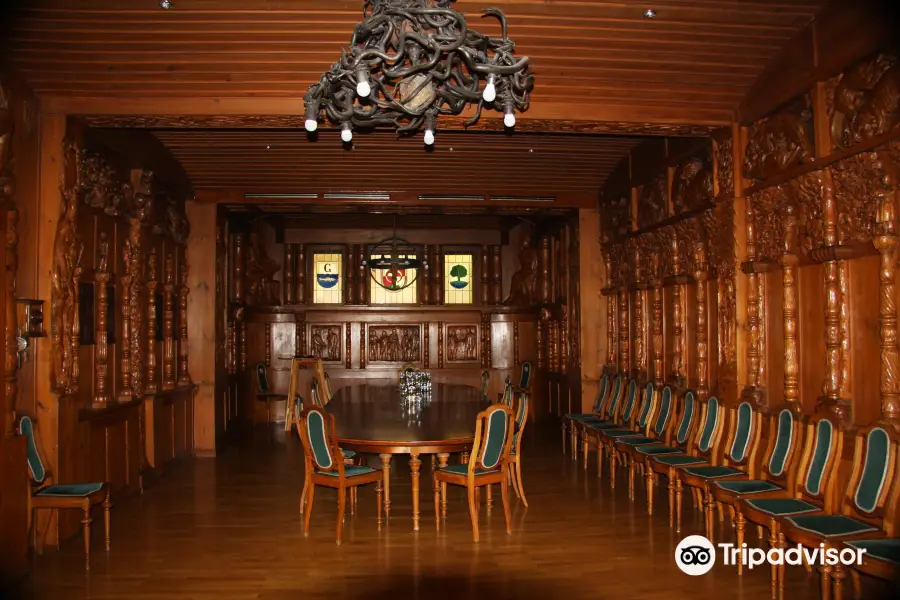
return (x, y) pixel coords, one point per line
(412, 60)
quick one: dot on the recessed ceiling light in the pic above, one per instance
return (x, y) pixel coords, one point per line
(165, 4)
(649, 13)
(531, 149)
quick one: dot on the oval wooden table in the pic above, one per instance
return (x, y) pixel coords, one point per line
(371, 419)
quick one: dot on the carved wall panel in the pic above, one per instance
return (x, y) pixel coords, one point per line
(653, 202)
(777, 143)
(864, 101)
(858, 182)
(325, 342)
(616, 219)
(462, 343)
(725, 166)
(808, 192)
(396, 344)
(768, 208)
(262, 288)
(692, 183)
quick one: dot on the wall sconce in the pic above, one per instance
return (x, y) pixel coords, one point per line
(29, 322)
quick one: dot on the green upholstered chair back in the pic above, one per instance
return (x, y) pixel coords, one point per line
(316, 427)
(328, 394)
(35, 464)
(646, 407)
(689, 409)
(525, 375)
(507, 393)
(262, 378)
(821, 458)
(316, 393)
(711, 431)
(612, 400)
(601, 394)
(869, 496)
(664, 416)
(521, 418)
(630, 402)
(493, 437)
(485, 380)
(745, 434)
(784, 444)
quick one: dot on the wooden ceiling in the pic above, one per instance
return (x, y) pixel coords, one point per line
(279, 161)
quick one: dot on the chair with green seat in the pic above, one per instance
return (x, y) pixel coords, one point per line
(611, 410)
(525, 376)
(515, 453)
(659, 435)
(320, 448)
(781, 457)
(60, 496)
(567, 420)
(738, 461)
(631, 426)
(488, 464)
(813, 489)
(880, 559)
(705, 448)
(644, 454)
(508, 392)
(868, 507)
(265, 391)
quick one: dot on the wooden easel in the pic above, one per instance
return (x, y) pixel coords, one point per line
(297, 365)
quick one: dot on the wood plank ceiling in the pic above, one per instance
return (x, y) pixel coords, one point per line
(599, 62)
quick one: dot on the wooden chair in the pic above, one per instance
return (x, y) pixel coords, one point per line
(265, 392)
(607, 416)
(617, 413)
(645, 453)
(812, 491)
(781, 458)
(659, 434)
(47, 495)
(881, 558)
(567, 420)
(525, 376)
(515, 453)
(743, 441)
(315, 393)
(705, 447)
(317, 433)
(632, 424)
(868, 508)
(488, 464)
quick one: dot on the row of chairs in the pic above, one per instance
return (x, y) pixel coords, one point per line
(712, 451)
(495, 458)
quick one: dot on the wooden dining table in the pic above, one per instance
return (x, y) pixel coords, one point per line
(372, 419)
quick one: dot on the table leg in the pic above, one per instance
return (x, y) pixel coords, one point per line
(442, 461)
(386, 466)
(414, 465)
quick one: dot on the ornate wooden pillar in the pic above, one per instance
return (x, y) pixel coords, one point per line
(789, 262)
(656, 283)
(487, 340)
(425, 275)
(886, 243)
(426, 345)
(677, 373)
(268, 340)
(516, 361)
(350, 274)
(485, 294)
(300, 274)
(640, 332)
(544, 269)
(609, 292)
(152, 386)
(362, 346)
(124, 342)
(101, 347)
(288, 270)
(541, 341)
(441, 344)
(184, 377)
(437, 277)
(300, 335)
(564, 340)
(10, 334)
(496, 276)
(753, 392)
(243, 345)
(348, 353)
(362, 278)
(701, 276)
(168, 381)
(239, 267)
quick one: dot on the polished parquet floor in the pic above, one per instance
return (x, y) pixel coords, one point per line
(229, 528)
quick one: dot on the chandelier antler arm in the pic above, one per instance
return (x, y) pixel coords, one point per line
(497, 14)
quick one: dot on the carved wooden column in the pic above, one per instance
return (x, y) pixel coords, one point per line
(609, 292)
(232, 345)
(496, 276)
(886, 243)
(300, 274)
(677, 373)
(541, 341)
(425, 276)
(640, 332)
(350, 274)
(437, 277)
(239, 267)
(300, 335)
(753, 392)
(288, 270)
(11, 361)
(701, 275)
(789, 262)
(243, 344)
(656, 283)
(348, 353)
(544, 282)
(440, 345)
(362, 279)
(124, 341)
(268, 339)
(101, 347)
(564, 340)
(168, 381)
(487, 339)
(516, 361)
(152, 386)
(362, 346)
(184, 377)
(485, 294)
(426, 345)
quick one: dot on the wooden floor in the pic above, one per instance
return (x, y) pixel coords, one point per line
(229, 529)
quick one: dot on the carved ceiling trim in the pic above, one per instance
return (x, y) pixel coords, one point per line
(296, 122)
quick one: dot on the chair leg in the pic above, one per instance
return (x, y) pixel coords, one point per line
(565, 432)
(106, 506)
(490, 498)
(342, 501)
(710, 515)
(87, 537)
(630, 477)
(504, 497)
(599, 460)
(612, 467)
(473, 513)
(519, 486)
(304, 495)
(444, 500)
(585, 450)
(379, 500)
(437, 504)
(773, 543)
(838, 574)
(648, 477)
(857, 584)
(825, 577)
(671, 499)
(678, 501)
(310, 497)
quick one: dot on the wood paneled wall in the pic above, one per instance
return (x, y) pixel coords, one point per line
(759, 264)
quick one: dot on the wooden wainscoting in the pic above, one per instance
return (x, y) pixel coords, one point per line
(169, 422)
(13, 510)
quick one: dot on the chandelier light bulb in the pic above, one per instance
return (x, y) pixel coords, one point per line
(509, 118)
(362, 82)
(490, 90)
(346, 133)
(429, 137)
(311, 125)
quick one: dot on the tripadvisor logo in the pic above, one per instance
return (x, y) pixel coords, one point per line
(696, 555)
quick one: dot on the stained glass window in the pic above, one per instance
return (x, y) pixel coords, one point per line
(391, 291)
(458, 279)
(328, 283)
